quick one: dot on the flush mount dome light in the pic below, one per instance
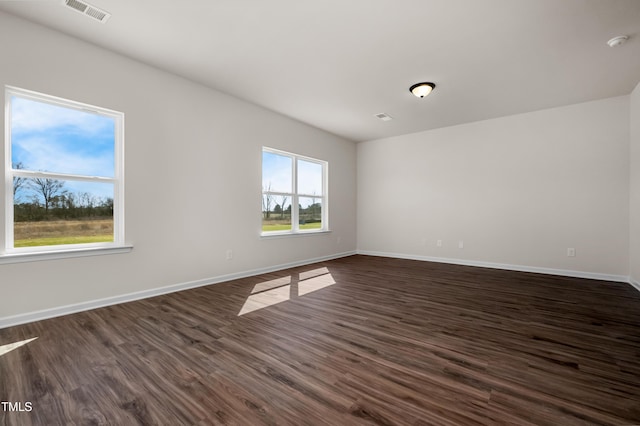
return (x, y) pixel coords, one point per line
(422, 89)
(618, 41)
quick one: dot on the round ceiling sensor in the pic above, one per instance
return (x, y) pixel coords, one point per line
(618, 41)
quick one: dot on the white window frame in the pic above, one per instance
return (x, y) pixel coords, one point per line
(7, 249)
(295, 195)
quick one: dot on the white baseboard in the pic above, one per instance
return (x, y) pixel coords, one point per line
(130, 297)
(520, 268)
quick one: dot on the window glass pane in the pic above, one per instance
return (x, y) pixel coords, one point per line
(309, 178)
(57, 212)
(276, 213)
(53, 138)
(276, 172)
(310, 214)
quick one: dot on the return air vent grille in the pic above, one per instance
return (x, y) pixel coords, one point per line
(384, 117)
(88, 10)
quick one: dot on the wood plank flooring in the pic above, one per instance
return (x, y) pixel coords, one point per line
(355, 341)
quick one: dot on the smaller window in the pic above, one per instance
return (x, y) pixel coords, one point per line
(294, 193)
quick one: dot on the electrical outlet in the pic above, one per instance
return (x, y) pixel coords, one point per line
(461, 244)
(571, 252)
(229, 254)
(439, 243)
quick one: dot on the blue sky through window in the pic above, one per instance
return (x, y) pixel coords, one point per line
(52, 138)
(277, 172)
(309, 178)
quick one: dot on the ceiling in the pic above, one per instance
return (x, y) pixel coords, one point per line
(334, 64)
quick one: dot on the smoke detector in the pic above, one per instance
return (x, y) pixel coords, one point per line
(88, 10)
(618, 41)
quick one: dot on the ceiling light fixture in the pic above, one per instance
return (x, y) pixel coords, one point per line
(421, 90)
(618, 41)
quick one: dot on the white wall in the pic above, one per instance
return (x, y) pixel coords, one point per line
(193, 175)
(634, 233)
(518, 190)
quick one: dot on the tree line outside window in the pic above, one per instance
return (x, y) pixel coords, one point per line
(279, 207)
(38, 198)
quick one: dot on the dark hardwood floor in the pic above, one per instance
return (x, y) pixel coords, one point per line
(358, 340)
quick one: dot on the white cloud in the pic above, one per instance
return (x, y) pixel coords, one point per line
(33, 116)
(40, 154)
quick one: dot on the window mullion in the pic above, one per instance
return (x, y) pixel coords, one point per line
(288, 194)
(295, 214)
(311, 195)
(61, 176)
(8, 180)
(8, 229)
(325, 198)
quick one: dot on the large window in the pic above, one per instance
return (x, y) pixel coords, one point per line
(63, 174)
(294, 193)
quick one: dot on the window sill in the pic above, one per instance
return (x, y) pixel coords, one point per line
(271, 235)
(62, 254)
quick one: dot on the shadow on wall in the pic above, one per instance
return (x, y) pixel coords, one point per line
(269, 293)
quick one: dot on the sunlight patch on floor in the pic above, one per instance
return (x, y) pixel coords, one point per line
(272, 292)
(314, 284)
(265, 298)
(4, 349)
(268, 285)
(313, 273)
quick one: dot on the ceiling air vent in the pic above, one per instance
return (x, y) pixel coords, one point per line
(384, 117)
(88, 10)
